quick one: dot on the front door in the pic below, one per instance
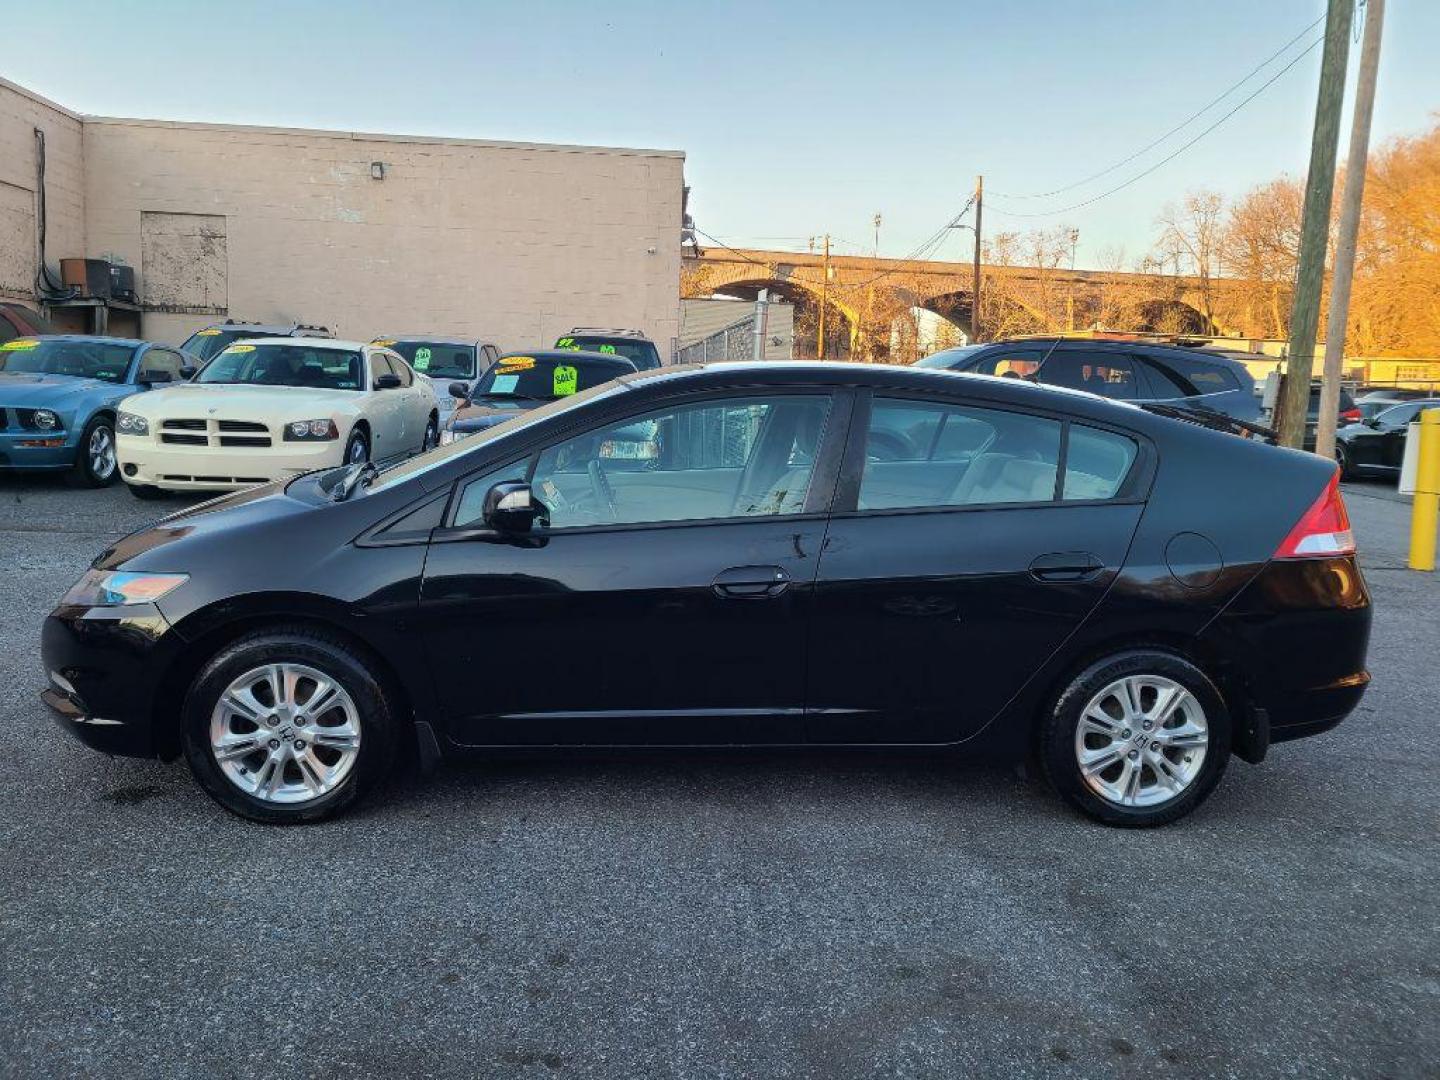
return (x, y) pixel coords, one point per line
(667, 599)
(953, 569)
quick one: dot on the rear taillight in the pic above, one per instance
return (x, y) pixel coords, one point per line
(1323, 530)
(1350, 416)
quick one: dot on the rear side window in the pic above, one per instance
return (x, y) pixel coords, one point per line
(1096, 463)
(1110, 375)
(1193, 374)
(924, 454)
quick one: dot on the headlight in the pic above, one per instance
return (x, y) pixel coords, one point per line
(112, 588)
(45, 419)
(129, 424)
(311, 430)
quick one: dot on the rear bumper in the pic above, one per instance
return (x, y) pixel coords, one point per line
(103, 669)
(1294, 644)
(173, 467)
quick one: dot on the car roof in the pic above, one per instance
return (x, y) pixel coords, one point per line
(1120, 345)
(614, 335)
(312, 343)
(571, 355)
(101, 339)
(434, 339)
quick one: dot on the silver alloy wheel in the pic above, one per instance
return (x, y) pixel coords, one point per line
(1141, 741)
(285, 733)
(101, 452)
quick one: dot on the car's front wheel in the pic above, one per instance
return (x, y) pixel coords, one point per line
(357, 448)
(288, 726)
(1139, 738)
(1342, 459)
(95, 464)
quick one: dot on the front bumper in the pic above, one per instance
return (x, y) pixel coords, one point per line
(104, 667)
(175, 467)
(19, 449)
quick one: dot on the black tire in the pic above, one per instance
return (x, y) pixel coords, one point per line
(333, 657)
(1058, 736)
(148, 492)
(1342, 459)
(431, 438)
(85, 474)
(356, 436)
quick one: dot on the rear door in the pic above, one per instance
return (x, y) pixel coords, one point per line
(952, 572)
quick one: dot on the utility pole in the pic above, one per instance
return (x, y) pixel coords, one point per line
(824, 301)
(762, 304)
(1349, 230)
(1315, 225)
(975, 290)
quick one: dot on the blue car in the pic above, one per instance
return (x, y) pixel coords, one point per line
(58, 395)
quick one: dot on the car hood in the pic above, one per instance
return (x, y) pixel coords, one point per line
(19, 389)
(266, 404)
(476, 417)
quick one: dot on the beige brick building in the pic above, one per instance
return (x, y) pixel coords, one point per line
(366, 234)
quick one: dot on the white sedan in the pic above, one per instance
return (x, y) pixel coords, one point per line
(269, 408)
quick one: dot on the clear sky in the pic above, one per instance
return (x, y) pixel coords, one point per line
(798, 116)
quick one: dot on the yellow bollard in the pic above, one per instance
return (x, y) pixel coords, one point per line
(1426, 514)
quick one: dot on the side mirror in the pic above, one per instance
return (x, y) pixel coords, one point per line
(460, 390)
(510, 507)
(387, 382)
(188, 371)
(1371, 422)
(150, 378)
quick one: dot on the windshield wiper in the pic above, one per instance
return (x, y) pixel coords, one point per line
(502, 397)
(1209, 418)
(356, 476)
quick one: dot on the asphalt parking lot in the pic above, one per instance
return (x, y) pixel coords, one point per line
(735, 916)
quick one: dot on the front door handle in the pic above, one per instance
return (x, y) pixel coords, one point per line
(750, 582)
(1066, 566)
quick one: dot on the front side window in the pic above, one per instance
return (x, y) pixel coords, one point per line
(737, 457)
(58, 356)
(1008, 363)
(286, 365)
(926, 454)
(400, 370)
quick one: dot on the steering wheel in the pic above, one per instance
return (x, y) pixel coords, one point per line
(600, 485)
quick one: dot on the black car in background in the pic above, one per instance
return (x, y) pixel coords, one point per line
(628, 344)
(518, 382)
(1376, 446)
(1044, 573)
(443, 361)
(1372, 403)
(1119, 370)
(211, 340)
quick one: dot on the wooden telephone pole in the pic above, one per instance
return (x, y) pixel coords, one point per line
(824, 302)
(1315, 225)
(975, 291)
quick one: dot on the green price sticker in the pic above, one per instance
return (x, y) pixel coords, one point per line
(422, 359)
(608, 349)
(567, 380)
(567, 343)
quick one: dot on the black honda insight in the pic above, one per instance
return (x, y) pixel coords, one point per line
(783, 554)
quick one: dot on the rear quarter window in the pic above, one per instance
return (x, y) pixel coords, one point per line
(1194, 375)
(1096, 463)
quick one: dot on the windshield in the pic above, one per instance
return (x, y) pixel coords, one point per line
(438, 359)
(539, 378)
(394, 474)
(57, 356)
(948, 358)
(639, 352)
(203, 344)
(286, 365)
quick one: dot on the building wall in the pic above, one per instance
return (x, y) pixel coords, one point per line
(509, 242)
(21, 112)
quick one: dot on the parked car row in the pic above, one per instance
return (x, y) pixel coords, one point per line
(804, 554)
(247, 403)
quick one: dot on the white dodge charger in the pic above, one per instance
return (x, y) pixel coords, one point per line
(269, 408)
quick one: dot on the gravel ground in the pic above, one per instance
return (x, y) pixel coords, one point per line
(724, 916)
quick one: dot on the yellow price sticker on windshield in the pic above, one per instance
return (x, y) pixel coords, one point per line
(516, 363)
(567, 379)
(240, 348)
(19, 345)
(383, 343)
(212, 332)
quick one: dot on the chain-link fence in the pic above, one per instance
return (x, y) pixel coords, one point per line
(734, 342)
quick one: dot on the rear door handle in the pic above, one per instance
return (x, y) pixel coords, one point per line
(750, 582)
(1066, 566)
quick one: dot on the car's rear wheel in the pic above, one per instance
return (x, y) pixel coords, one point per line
(95, 464)
(288, 726)
(1342, 458)
(1139, 738)
(432, 435)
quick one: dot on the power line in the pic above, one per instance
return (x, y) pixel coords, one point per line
(1173, 154)
(1174, 130)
